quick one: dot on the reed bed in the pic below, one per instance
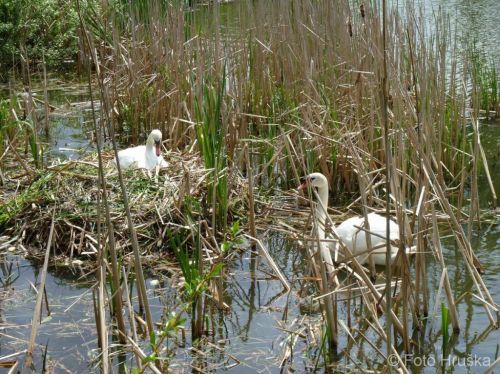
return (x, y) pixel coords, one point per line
(295, 72)
(368, 95)
(70, 189)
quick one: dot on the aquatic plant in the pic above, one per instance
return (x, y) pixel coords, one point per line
(210, 133)
(35, 193)
(196, 279)
(444, 326)
(233, 238)
(486, 90)
(157, 340)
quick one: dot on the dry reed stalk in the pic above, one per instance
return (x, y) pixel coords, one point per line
(420, 207)
(135, 245)
(38, 304)
(400, 183)
(270, 261)
(12, 365)
(388, 176)
(464, 245)
(115, 273)
(363, 183)
(21, 161)
(251, 206)
(99, 304)
(100, 312)
(46, 98)
(377, 327)
(329, 304)
(474, 210)
(140, 353)
(290, 148)
(489, 370)
(449, 294)
(486, 168)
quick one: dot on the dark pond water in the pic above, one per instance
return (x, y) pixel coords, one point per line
(253, 335)
(70, 115)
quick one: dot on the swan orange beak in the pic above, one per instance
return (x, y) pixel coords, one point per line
(158, 148)
(303, 184)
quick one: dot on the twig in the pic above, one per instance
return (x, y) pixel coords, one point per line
(36, 314)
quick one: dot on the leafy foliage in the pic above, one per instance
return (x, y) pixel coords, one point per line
(36, 29)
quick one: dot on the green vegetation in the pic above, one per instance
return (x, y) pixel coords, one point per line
(6, 123)
(210, 133)
(37, 192)
(157, 340)
(38, 29)
(195, 278)
(486, 83)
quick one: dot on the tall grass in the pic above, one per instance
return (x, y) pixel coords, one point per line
(210, 134)
(486, 90)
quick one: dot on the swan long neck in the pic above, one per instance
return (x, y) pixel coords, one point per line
(150, 142)
(321, 215)
(321, 210)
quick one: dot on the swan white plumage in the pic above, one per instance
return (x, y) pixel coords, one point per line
(349, 231)
(143, 156)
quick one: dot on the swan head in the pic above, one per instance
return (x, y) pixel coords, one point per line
(314, 180)
(155, 139)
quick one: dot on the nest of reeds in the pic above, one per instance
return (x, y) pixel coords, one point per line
(69, 191)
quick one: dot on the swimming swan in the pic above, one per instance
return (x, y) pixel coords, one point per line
(349, 231)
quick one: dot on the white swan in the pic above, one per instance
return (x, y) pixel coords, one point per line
(349, 231)
(143, 156)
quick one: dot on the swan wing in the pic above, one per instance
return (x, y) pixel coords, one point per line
(354, 238)
(162, 163)
(134, 157)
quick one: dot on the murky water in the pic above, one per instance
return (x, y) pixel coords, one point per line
(71, 131)
(68, 333)
(475, 21)
(70, 116)
(254, 334)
